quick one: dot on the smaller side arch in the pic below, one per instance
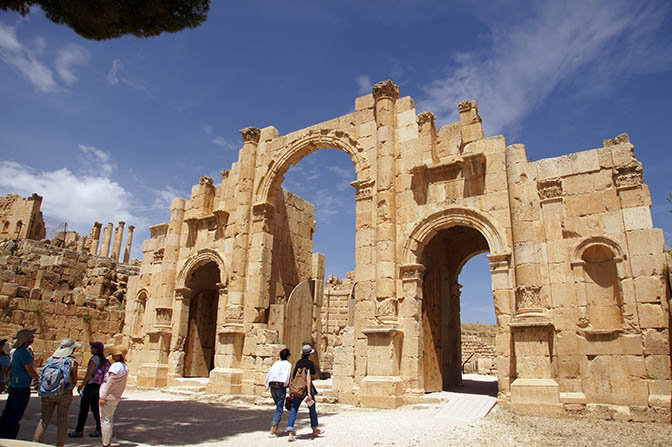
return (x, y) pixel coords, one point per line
(619, 255)
(200, 258)
(449, 217)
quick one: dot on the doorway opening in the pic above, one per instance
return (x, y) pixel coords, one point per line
(199, 358)
(448, 344)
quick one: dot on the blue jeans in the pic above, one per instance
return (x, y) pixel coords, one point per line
(296, 403)
(278, 395)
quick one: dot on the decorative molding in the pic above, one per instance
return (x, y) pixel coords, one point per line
(628, 176)
(385, 89)
(164, 316)
(364, 189)
(549, 189)
(206, 181)
(250, 135)
(467, 105)
(158, 256)
(411, 272)
(263, 212)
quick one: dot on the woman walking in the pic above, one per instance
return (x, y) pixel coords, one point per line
(277, 380)
(308, 368)
(111, 390)
(58, 378)
(5, 364)
(98, 365)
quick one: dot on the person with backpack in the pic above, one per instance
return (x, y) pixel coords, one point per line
(23, 373)
(277, 381)
(95, 373)
(300, 387)
(111, 390)
(55, 385)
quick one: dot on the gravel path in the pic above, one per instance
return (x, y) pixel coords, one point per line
(152, 418)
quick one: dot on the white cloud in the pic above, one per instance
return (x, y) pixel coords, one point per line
(97, 161)
(364, 84)
(587, 43)
(226, 144)
(115, 77)
(328, 205)
(21, 58)
(346, 176)
(207, 129)
(68, 58)
(78, 200)
(163, 197)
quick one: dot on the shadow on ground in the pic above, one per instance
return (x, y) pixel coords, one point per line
(167, 422)
(470, 386)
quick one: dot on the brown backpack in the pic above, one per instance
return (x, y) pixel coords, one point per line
(299, 383)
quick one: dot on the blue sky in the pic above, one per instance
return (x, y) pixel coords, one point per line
(114, 130)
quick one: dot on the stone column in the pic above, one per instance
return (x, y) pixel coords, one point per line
(129, 243)
(118, 235)
(227, 375)
(107, 236)
(385, 94)
(534, 388)
(410, 322)
(94, 238)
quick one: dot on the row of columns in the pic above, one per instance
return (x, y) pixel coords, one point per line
(108, 241)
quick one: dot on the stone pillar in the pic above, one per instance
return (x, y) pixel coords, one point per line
(534, 389)
(129, 243)
(118, 235)
(410, 322)
(385, 94)
(107, 236)
(227, 375)
(94, 238)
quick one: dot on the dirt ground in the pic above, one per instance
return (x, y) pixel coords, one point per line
(153, 418)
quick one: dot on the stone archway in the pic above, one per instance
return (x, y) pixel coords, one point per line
(449, 238)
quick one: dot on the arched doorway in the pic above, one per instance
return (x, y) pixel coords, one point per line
(443, 258)
(201, 330)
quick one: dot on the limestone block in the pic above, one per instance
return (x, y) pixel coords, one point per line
(9, 289)
(622, 345)
(471, 132)
(637, 218)
(645, 242)
(406, 118)
(623, 154)
(567, 165)
(569, 366)
(585, 204)
(658, 366)
(587, 161)
(367, 129)
(576, 184)
(656, 342)
(651, 316)
(647, 265)
(634, 197)
(642, 414)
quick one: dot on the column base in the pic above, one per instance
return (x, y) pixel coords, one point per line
(152, 375)
(225, 381)
(537, 397)
(381, 392)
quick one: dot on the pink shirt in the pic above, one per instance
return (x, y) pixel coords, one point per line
(113, 386)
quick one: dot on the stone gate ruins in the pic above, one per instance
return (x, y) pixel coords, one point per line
(575, 264)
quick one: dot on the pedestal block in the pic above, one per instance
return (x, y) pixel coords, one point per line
(152, 375)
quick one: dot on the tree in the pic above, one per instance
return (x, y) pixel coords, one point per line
(109, 19)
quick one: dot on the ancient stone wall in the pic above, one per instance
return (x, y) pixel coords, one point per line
(478, 348)
(336, 315)
(21, 218)
(61, 293)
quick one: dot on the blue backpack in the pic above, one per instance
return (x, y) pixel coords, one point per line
(56, 377)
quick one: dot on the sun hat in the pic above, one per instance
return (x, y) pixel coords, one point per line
(307, 349)
(119, 350)
(98, 346)
(66, 348)
(23, 336)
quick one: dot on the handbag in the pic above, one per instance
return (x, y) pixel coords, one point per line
(288, 402)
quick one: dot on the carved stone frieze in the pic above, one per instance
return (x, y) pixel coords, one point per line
(364, 189)
(411, 272)
(386, 308)
(263, 212)
(549, 189)
(158, 256)
(234, 313)
(385, 89)
(164, 315)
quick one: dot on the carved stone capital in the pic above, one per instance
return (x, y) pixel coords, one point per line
(386, 309)
(631, 175)
(385, 89)
(549, 189)
(164, 316)
(234, 313)
(528, 298)
(250, 135)
(183, 293)
(411, 272)
(425, 117)
(467, 105)
(207, 181)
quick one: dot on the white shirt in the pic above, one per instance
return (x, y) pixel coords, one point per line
(279, 372)
(117, 368)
